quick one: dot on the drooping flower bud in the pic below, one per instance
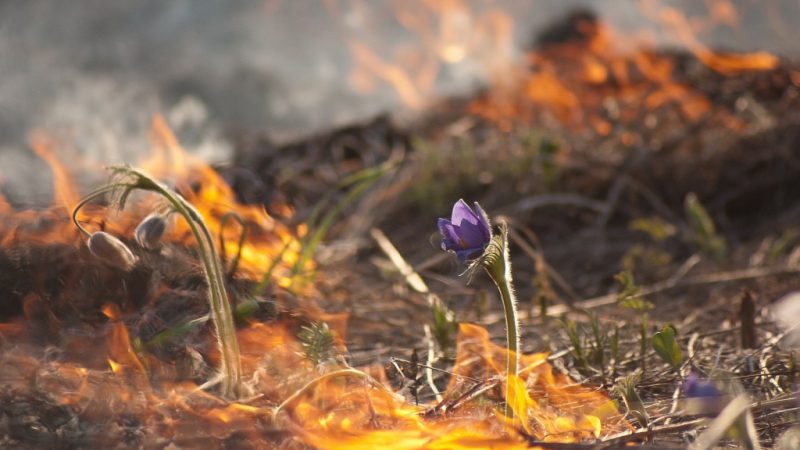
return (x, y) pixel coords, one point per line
(149, 232)
(111, 250)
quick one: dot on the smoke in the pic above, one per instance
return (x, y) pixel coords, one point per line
(93, 72)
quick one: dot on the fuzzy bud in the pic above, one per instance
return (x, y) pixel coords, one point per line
(149, 232)
(111, 250)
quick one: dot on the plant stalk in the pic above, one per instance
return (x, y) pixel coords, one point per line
(221, 311)
(499, 270)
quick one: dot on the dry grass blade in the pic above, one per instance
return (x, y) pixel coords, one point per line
(736, 409)
(672, 283)
(415, 281)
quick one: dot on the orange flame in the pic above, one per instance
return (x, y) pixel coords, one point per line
(571, 83)
(266, 239)
(353, 411)
(121, 353)
(723, 63)
(447, 33)
(65, 193)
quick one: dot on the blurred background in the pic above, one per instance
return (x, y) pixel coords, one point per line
(93, 72)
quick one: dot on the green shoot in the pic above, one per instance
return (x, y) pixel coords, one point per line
(703, 233)
(318, 343)
(614, 351)
(445, 326)
(626, 389)
(630, 297)
(667, 347)
(657, 228)
(576, 342)
(242, 236)
(318, 228)
(598, 344)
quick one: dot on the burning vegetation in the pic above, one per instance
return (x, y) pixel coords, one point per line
(641, 194)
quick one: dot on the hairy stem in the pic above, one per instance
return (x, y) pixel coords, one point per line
(91, 196)
(221, 311)
(499, 269)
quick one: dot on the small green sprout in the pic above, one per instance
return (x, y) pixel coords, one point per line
(703, 233)
(626, 389)
(656, 227)
(667, 347)
(576, 343)
(445, 326)
(318, 343)
(630, 297)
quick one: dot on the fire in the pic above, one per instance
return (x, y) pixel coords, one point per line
(121, 351)
(597, 76)
(359, 413)
(265, 238)
(574, 82)
(440, 34)
(721, 11)
(331, 407)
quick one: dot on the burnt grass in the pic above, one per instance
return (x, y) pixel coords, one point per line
(570, 196)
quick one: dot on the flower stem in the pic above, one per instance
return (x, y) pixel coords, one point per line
(221, 311)
(91, 196)
(498, 267)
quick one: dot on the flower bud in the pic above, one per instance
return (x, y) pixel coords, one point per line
(111, 250)
(149, 232)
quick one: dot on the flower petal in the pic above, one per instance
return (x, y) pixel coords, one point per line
(464, 255)
(450, 239)
(484, 220)
(463, 213)
(472, 235)
(695, 387)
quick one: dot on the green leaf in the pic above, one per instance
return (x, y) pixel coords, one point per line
(445, 325)
(703, 232)
(318, 343)
(667, 348)
(626, 388)
(629, 295)
(356, 185)
(658, 228)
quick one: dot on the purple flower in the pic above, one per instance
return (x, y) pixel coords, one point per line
(703, 397)
(694, 387)
(467, 232)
